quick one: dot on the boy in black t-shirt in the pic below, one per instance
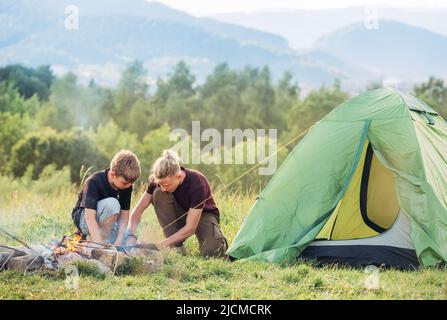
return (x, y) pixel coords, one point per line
(102, 210)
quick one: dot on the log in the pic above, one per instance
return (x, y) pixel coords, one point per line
(8, 250)
(7, 253)
(5, 257)
(26, 263)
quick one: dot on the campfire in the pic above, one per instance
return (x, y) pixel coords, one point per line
(70, 244)
(70, 249)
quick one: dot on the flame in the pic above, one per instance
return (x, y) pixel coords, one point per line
(69, 245)
(72, 245)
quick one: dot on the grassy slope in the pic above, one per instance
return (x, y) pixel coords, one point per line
(38, 216)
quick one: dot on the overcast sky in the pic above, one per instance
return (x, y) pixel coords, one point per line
(208, 7)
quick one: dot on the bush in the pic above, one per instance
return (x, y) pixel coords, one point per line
(36, 150)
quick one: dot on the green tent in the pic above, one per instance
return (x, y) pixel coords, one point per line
(366, 185)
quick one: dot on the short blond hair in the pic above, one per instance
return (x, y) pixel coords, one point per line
(126, 164)
(167, 165)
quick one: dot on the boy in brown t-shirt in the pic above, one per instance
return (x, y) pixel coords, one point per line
(184, 206)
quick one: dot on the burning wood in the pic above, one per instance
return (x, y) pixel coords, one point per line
(70, 244)
(72, 248)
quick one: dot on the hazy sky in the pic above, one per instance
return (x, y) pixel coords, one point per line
(205, 7)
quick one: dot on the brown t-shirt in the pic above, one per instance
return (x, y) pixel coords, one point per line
(192, 192)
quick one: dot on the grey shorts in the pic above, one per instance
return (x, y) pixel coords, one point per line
(105, 209)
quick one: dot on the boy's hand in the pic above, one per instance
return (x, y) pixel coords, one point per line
(161, 245)
(118, 242)
(131, 240)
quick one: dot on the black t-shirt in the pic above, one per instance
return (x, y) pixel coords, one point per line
(192, 192)
(97, 187)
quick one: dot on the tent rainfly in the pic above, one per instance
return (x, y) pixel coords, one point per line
(366, 185)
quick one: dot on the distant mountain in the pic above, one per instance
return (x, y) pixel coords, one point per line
(393, 50)
(406, 49)
(113, 32)
(303, 27)
(54, 9)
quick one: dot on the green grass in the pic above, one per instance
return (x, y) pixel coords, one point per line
(40, 216)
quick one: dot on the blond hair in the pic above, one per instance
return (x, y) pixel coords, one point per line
(167, 165)
(126, 164)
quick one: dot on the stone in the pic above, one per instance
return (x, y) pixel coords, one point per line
(82, 264)
(111, 258)
(68, 259)
(152, 259)
(26, 263)
(148, 245)
(102, 268)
